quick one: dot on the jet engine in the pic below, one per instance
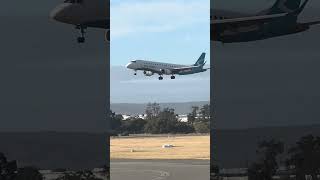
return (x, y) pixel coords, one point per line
(107, 35)
(148, 73)
(166, 71)
(301, 28)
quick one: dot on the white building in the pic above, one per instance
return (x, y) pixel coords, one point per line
(183, 118)
(125, 117)
(142, 116)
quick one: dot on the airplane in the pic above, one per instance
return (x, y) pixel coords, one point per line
(278, 20)
(150, 67)
(83, 14)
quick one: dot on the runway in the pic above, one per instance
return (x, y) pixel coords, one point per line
(160, 169)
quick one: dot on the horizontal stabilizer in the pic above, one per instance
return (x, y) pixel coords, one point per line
(312, 23)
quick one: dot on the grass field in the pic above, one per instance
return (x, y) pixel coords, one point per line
(184, 147)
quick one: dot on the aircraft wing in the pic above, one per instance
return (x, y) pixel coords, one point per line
(247, 20)
(312, 23)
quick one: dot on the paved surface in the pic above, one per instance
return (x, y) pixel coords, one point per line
(160, 170)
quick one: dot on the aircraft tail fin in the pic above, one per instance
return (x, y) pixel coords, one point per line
(300, 9)
(285, 6)
(200, 61)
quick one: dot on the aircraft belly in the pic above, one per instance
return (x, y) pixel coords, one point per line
(149, 68)
(185, 72)
(98, 24)
(279, 27)
(239, 30)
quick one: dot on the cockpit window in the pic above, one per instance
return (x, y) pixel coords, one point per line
(73, 1)
(133, 61)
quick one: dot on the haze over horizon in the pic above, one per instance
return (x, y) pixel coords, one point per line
(127, 88)
(46, 85)
(268, 82)
(162, 31)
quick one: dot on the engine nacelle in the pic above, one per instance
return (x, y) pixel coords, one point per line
(148, 73)
(301, 28)
(166, 71)
(107, 35)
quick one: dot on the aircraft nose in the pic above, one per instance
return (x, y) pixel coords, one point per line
(59, 13)
(128, 66)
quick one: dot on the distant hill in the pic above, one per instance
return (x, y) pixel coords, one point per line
(131, 108)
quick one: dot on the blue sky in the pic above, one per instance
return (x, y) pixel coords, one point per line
(173, 31)
(176, 31)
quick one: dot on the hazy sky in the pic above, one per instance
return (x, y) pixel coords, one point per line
(173, 31)
(268, 82)
(48, 80)
(51, 82)
(176, 31)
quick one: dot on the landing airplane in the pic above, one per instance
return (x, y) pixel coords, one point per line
(84, 14)
(279, 20)
(150, 67)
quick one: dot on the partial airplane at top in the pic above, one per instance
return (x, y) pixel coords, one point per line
(279, 20)
(150, 67)
(83, 14)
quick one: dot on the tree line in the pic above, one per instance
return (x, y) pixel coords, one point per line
(302, 160)
(162, 121)
(10, 171)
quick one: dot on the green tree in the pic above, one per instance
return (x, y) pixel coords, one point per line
(115, 122)
(267, 166)
(182, 127)
(79, 175)
(202, 127)
(133, 126)
(165, 122)
(193, 115)
(204, 114)
(28, 173)
(152, 110)
(7, 168)
(305, 157)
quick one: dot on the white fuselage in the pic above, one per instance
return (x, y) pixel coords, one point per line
(81, 13)
(216, 14)
(152, 66)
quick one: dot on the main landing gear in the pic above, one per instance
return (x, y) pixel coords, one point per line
(172, 77)
(81, 38)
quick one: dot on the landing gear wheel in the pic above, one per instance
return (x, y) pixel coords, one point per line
(135, 74)
(173, 77)
(160, 78)
(81, 39)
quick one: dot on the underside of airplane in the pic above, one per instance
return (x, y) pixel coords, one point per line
(279, 20)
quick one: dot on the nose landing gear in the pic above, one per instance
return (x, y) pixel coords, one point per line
(160, 78)
(173, 77)
(82, 38)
